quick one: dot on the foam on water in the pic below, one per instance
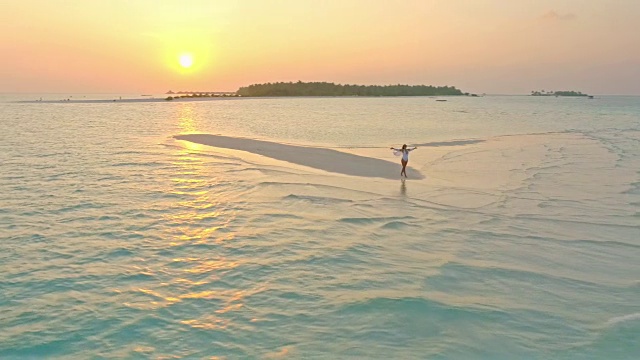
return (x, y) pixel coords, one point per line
(521, 241)
(622, 319)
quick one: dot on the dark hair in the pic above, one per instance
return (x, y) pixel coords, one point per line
(404, 146)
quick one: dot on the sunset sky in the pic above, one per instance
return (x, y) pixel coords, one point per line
(482, 46)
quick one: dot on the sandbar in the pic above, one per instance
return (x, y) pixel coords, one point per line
(318, 158)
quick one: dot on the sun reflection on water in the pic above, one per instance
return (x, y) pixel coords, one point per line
(192, 263)
(203, 265)
(198, 216)
(186, 117)
(209, 323)
(233, 301)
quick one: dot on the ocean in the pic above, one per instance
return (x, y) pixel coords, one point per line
(516, 235)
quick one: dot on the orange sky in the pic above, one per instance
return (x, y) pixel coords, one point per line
(482, 46)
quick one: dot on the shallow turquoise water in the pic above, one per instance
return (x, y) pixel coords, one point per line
(118, 241)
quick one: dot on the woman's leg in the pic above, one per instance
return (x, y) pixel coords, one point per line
(404, 168)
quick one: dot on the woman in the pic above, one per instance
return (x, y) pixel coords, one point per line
(405, 157)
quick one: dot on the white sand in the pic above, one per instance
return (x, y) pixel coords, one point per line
(318, 158)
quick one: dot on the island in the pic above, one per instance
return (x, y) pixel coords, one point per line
(559, 93)
(330, 89)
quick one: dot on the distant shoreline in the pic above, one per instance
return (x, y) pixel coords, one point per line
(144, 100)
(198, 99)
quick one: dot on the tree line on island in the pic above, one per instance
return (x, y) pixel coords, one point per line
(324, 89)
(330, 89)
(557, 93)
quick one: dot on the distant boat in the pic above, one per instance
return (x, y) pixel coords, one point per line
(145, 95)
(441, 100)
(590, 96)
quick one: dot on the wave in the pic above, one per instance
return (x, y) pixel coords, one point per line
(622, 319)
(371, 220)
(395, 225)
(451, 143)
(317, 199)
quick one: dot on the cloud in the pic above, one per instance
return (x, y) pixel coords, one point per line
(554, 16)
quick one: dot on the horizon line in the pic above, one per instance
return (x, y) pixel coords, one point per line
(206, 92)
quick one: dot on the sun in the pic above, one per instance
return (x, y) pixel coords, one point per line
(186, 60)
